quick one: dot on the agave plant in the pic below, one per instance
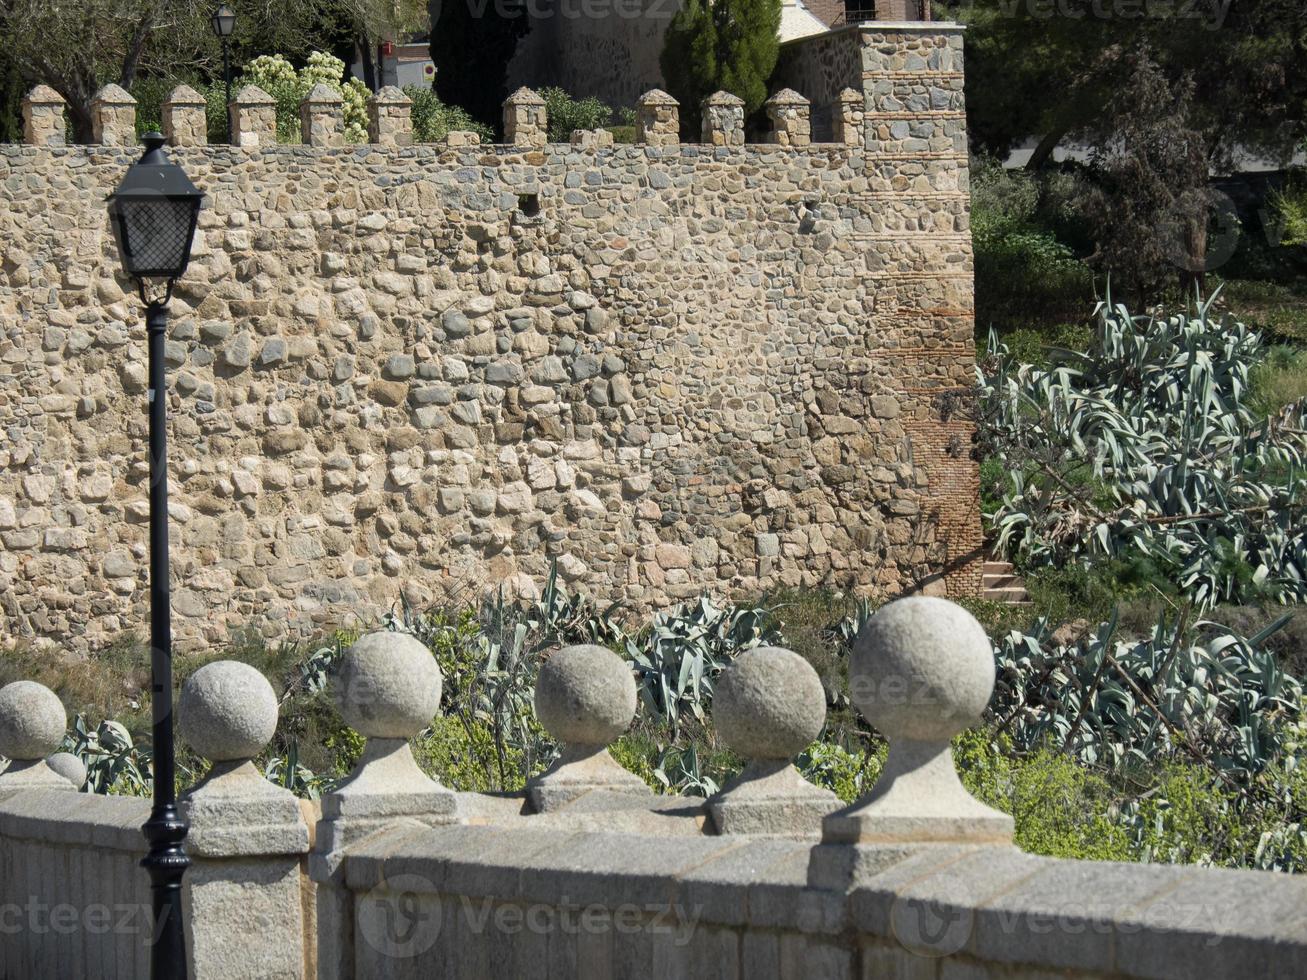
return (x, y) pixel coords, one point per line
(114, 763)
(1145, 445)
(1207, 695)
(678, 657)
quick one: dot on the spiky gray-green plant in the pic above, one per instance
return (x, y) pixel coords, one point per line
(1145, 446)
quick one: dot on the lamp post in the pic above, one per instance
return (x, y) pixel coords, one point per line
(154, 212)
(224, 22)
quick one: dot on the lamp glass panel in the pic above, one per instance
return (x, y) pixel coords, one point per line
(157, 235)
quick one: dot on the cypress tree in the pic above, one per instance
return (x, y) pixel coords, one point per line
(689, 60)
(720, 44)
(472, 42)
(747, 47)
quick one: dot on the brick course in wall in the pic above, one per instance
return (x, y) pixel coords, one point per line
(416, 371)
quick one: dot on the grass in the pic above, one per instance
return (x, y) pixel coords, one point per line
(1278, 309)
(1280, 380)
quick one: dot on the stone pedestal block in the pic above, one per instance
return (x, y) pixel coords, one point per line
(769, 706)
(113, 117)
(322, 117)
(525, 121)
(390, 118)
(32, 723)
(922, 671)
(247, 837)
(388, 689)
(585, 698)
(43, 117)
(657, 119)
(184, 119)
(789, 113)
(723, 120)
(253, 118)
(850, 117)
(591, 139)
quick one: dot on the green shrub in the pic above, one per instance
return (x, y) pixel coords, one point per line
(288, 86)
(849, 775)
(565, 114)
(1025, 276)
(1279, 381)
(461, 755)
(433, 120)
(1060, 809)
(1145, 450)
(1290, 203)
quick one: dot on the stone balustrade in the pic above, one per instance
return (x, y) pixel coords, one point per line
(588, 873)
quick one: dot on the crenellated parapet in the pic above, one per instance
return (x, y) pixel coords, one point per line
(252, 116)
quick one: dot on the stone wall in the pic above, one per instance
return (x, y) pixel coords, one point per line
(425, 370)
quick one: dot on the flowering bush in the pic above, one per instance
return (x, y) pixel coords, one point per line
(279, 78)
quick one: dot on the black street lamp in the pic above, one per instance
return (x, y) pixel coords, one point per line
(224, 22)
(154, 212)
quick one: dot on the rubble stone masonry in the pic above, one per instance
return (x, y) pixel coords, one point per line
(416, 371)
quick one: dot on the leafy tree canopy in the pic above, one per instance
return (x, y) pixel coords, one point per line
(75, 48)
(731, 45)
(1052, 71)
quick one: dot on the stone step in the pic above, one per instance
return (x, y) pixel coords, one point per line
(996, 581)
(997, 568)
(1016, 593)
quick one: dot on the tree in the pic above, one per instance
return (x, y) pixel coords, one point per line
(1071, 73)
(729, 45)
(1150, 209)
(1033, 70)
(472, 42)
(689, 59)
(76, 48)
(375, 20)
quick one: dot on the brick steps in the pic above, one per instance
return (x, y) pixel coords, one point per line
(1001, 583)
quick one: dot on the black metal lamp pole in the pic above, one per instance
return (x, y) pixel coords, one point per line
(154, 212)
(224, 22)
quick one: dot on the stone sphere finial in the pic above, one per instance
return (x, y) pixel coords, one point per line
(70, 767)
(388, 686)
(32, 721)
(585, 698)
(227, 711)
(769, 704)
(585, 695)
(922, 669)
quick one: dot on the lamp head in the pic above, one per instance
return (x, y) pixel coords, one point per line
(154, 212)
